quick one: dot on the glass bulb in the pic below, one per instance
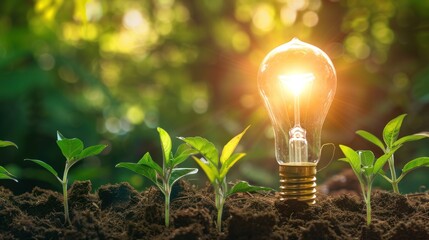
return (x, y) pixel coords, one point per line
(297, 82)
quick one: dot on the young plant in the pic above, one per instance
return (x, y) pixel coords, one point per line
(216, 169)
(164, 177)
(365, 167)
(5, 174)
(391, 141)
(73, 151)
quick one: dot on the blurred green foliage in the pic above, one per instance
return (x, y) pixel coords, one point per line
(111, 71)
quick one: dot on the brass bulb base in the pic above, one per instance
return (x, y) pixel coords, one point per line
(298, 181)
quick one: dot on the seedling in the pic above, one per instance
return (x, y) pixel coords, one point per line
(217, 168)
(5, 174)
(391, 141)
(164, 177)
(365, 168)
(73, 151)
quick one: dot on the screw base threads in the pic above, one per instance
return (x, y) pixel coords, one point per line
(298, 182)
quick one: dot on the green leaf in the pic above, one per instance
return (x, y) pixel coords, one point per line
(204, 147)
(210, 170)
(5, 174)
(141, 169)
(229, 148)
(229, 163)
(371, 138)
(182, 153)
(148, 161)
(7, 143)
(91, 151)
(353, 158)
(165, 144)
(244, 186)
(70, 148)
(60, 136)
(178, 173)
(416, 163)
(379, 163)
(344, 160)
(410, 138)
(366, 158)
(45, 166)
(391, 130)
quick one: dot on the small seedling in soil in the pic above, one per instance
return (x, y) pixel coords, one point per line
(73, 150)
(391, 141)
(365, 167)
(217, 168)
(5, 174)
(164, 177)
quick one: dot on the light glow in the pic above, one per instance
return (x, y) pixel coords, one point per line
(296, 83)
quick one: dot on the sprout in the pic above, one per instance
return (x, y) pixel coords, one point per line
(391, 142)
(4, 173)
(164, 177)
(73, 150)
(365, 167)
(217, 168)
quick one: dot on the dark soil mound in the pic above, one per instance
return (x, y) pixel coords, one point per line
(120, 212)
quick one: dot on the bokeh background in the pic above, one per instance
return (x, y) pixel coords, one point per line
(112, 71)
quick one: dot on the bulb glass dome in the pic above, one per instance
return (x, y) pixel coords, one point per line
(297, 82)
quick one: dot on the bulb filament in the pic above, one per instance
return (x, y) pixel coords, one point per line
(298, 146)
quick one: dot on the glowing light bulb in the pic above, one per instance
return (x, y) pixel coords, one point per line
(297, 82)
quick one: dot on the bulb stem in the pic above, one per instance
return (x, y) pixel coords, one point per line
(297, 112)
(298, 182)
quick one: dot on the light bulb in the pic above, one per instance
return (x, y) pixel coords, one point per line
(297, 82)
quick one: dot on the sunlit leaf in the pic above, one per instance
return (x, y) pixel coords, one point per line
(70, 148)
(229, 148)
(344, 160)
(182, 153)
(411, 138)
(7, 143)
(147, 160)
(366, 157)
(165, 144)
(91, 151)
(204, 147)
(371, 138)
(416, 163)
(379, 163)
(209, 170)
(244, 186)
(367, 161)
(229, 163)
(353, 158)
(391, 130)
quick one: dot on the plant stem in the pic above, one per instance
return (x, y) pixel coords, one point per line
(368, 204)
(66, 203)
(220, 191)
(167, 208)
(219, 207)
(393, 174)
(219, 218)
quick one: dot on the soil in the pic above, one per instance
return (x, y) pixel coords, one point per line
(120, 212)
